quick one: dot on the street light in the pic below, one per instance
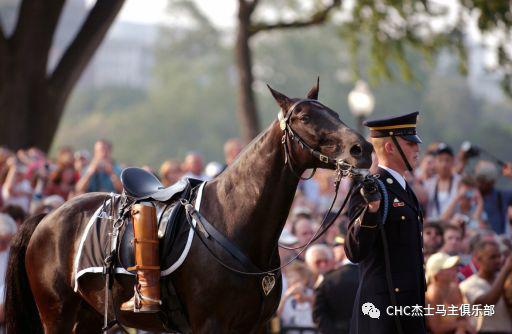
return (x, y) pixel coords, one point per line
(361, 103)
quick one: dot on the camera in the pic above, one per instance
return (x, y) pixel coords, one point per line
(469, 150)
(469, 194)
(461, 218)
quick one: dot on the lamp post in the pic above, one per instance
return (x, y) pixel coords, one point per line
(361, 103)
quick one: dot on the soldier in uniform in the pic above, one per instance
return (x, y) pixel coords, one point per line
(388, 250)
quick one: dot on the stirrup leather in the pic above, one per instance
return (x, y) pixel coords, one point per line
(138, 298)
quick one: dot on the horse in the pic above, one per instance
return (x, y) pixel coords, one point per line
(248, 203)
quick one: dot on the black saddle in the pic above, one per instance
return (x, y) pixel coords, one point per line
(173, 227)
(140, 184)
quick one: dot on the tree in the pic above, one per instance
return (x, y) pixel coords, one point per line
(191, 102)
(247, 28)
(31, 99)
(387, 28)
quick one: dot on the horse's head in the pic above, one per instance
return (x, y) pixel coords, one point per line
(314, 136)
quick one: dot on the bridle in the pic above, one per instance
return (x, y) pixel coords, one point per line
(342, 168)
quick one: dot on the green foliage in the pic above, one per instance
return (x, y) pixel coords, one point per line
(391, 26)
(191, 105)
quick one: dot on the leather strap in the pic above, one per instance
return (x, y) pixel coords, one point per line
(289, 132)
(399, 148)
(142, 267)
(227, 244)
(144, 241)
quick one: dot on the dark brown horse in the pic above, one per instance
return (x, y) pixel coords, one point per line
(249, 203)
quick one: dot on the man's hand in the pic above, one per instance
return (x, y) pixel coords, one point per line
(93, 165)
(371, 194)
(374, 206)
(107, 167)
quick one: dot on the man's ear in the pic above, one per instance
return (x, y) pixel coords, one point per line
(389, 147)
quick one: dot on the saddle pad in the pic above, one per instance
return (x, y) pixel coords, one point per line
(174, 245)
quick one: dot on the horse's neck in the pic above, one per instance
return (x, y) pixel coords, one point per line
(255, 195)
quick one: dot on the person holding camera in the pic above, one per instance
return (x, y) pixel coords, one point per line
(466, 209)
(103, 173)
(17, 189)
(296, 306)
(385, 237)
(495, 201)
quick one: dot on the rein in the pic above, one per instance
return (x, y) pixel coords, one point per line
(342, 169)
(200, 228)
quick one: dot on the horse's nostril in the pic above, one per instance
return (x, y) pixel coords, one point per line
(356, 150)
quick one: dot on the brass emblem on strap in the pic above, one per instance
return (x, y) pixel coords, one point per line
(324, 158)
(267, 283)
(282, 121)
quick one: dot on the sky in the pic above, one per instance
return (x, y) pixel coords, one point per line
(221, 12)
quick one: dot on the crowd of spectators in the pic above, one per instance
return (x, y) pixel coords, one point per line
(466, 241)
(466, 233)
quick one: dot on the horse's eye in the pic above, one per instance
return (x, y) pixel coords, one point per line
(305, 119)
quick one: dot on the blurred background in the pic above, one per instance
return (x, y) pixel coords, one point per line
(179, 87)
(165, 79)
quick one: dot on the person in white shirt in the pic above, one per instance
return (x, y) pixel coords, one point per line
(17, 189)
(443, 186)
(485, 288)
(296, 307)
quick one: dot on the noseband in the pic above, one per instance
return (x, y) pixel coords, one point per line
(342, 168)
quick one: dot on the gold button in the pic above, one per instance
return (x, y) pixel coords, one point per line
(397, 290)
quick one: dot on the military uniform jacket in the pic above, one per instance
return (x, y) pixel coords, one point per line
(403, 228)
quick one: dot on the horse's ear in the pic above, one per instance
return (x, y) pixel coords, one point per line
(282, 100)
(313, 92)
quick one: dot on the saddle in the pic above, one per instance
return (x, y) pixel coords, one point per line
(173, 231)
(142, 186)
